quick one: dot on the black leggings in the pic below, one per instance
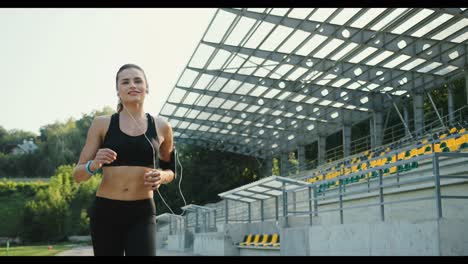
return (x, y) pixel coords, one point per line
(123, 227)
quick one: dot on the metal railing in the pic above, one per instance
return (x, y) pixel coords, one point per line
(313, 188)
(460, 115)
(316, 195)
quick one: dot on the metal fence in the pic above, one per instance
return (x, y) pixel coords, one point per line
(339, 193)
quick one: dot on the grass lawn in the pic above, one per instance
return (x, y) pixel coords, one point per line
(37, 250)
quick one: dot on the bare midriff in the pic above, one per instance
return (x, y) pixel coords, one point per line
(124, 183)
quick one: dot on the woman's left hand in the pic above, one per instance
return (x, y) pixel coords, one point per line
(153, 179)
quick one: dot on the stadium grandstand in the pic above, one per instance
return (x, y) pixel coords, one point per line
(355, 94)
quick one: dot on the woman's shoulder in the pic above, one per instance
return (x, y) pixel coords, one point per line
(102, 121)
(160, 122)
(103, 118)
(162, 125)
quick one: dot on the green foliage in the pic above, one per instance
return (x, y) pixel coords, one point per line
(13, 197)
(58, 143)
(276, 167)
(27, 189)
(60, 210)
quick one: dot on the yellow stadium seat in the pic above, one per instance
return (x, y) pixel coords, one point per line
(263, 240)
(255, 240)
(461, 131)
(451, 143)
(414, 152)
(246, 241)
(401, 155)
(273, 242)
(453, 130)
(443, 136)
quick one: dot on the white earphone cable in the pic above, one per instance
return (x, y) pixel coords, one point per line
(154, 166)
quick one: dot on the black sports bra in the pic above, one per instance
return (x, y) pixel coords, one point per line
(131, 150)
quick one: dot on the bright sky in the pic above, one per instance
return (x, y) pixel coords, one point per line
(59, 63)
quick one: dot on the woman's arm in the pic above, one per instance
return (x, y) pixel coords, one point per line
(166, 149)
(90, 151)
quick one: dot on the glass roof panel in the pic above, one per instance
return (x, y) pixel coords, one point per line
(379, 58)
(279, 11)
(187, 78)
(258, 91)
(228, 104)
(231, 86)
(181, 111)
(367, 17)
(191, 98)
(260, 34)
(239, 32)
(461, 38)
(277, 36)
(396, 61)
(219, 60)
(341, 82)
(344, 15)
(322, 14)
(413, 63)
(300, 13)
(388, 18)
(177, 95)
(201, 56)
(282, 70)
(168, 109)
(264, 71)
(295, 39)
(299, 71)
(216, 102)
(311, 44)
(433, 24)
(446, 70)
(236, 62)
(218, 84)
(412, 21)
(429, 67)
(204, 99)
(221, 22)
(203, 81)
(452, 29)
(327, 49)
(363, 54)
(344, 51)
(272, 93)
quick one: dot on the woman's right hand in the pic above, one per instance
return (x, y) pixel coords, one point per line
(104, 155)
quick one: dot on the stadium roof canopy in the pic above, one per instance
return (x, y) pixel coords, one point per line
(266, 188)
(264, 80)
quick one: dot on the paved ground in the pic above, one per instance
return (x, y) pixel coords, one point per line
(88, 251)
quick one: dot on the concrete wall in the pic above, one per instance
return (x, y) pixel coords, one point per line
(453, 237)
(214, 244)
(180, 241)
(237, 231)
(375, 239)
(445, 237)
(259, 252)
